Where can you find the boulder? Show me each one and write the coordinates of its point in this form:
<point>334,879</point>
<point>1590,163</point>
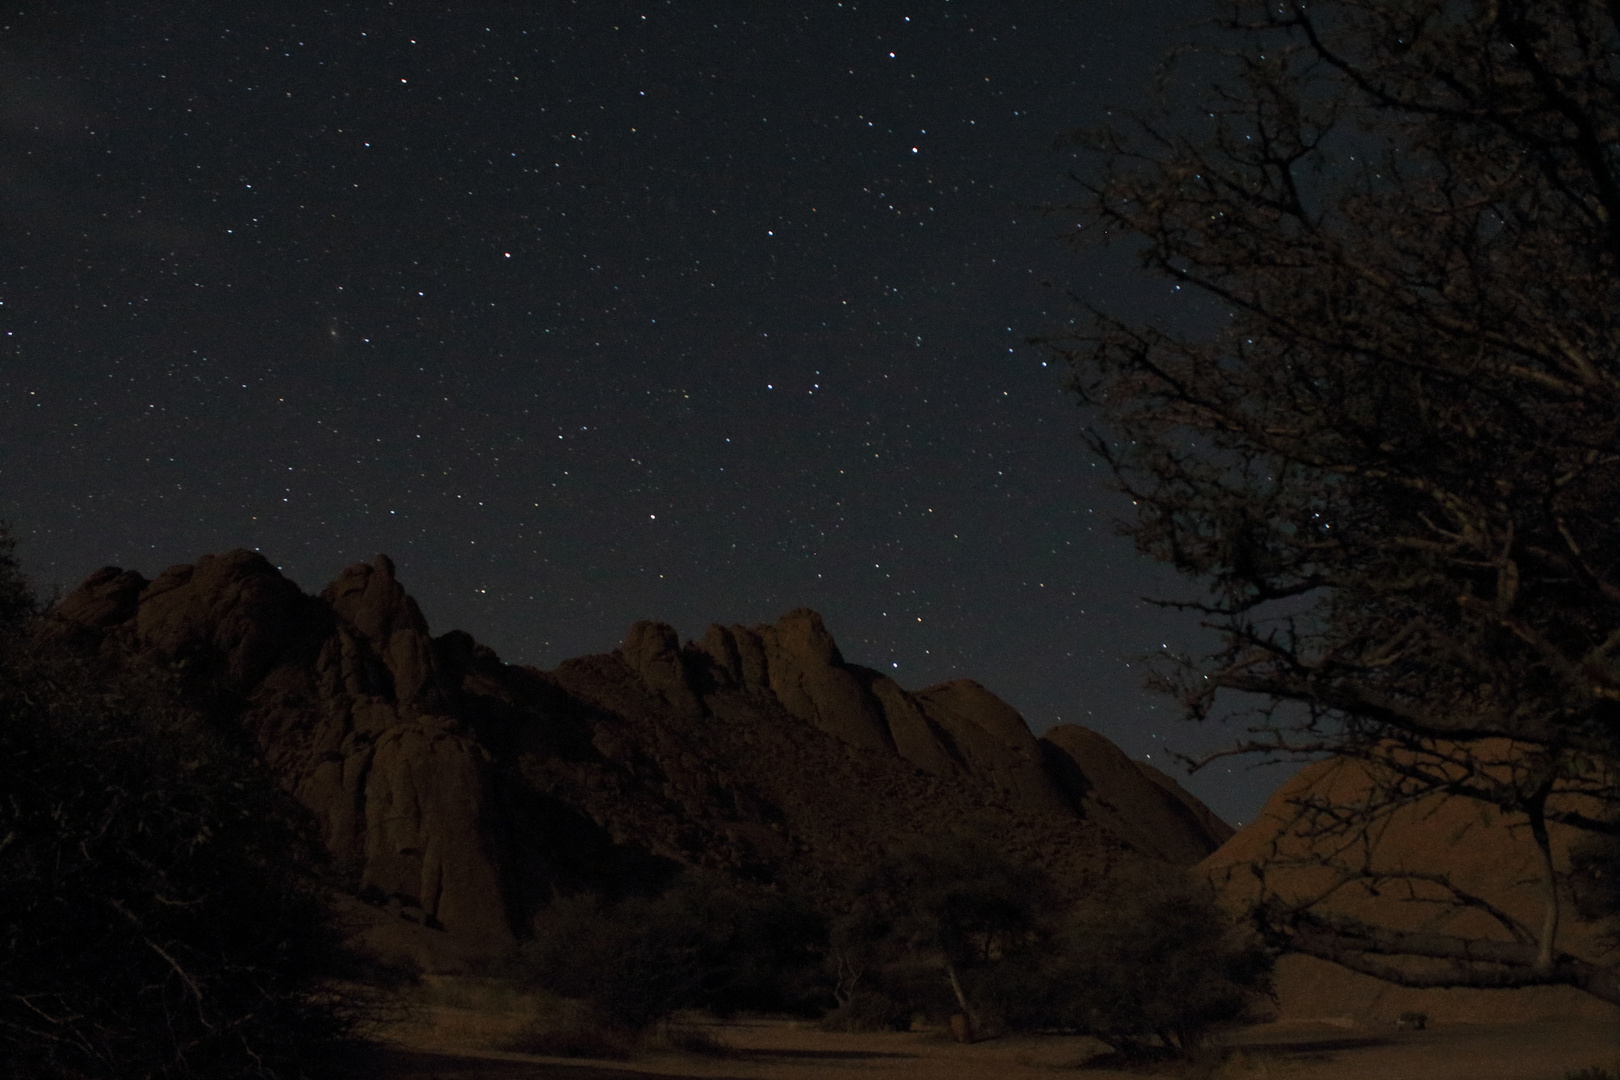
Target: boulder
<point>107,598</point>
<point>343,695</point>
<point>370,601</point>
<point>229,614</point>
<point>915,737</point>
<point>808,676</point>
<point>1483,852</point>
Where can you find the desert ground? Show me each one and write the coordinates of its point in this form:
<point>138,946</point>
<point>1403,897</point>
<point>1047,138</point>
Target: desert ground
<point>457,1034</point>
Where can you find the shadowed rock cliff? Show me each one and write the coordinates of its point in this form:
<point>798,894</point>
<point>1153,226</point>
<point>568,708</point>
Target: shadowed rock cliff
<point>461,795</point>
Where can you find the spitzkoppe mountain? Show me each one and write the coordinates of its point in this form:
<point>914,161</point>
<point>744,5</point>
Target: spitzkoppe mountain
<point>461,795</point>
<point>1486,854</point>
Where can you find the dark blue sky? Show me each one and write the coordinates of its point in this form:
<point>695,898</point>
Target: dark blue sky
<point>588,313</point>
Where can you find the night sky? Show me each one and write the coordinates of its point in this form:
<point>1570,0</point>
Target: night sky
<point>588,313</point>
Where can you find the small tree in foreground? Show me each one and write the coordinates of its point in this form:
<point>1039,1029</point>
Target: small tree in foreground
<point>928,925</point>
<point>1395,462</point>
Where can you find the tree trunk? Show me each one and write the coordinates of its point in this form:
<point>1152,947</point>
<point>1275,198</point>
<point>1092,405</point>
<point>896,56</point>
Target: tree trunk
<point>961,999</point>
<point>1547,941</point>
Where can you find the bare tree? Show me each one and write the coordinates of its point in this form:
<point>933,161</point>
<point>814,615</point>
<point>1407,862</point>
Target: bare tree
<point>1394,462</point>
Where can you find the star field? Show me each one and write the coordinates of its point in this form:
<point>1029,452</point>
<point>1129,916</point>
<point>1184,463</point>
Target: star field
<point>588,313</point>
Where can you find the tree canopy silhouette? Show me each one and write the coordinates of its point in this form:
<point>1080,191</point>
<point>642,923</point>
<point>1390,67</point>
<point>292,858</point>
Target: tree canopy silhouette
<point>1394,460</point>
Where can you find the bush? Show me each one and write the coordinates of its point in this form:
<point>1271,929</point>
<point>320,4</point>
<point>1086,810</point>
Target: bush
<point>159,909</point>
<point>1155,969</point>
<point>694,1039</point>
<point>704,944</point>
<point>931,928</point>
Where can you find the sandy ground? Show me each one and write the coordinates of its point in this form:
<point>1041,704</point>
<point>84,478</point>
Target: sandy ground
<point>782,1050</point>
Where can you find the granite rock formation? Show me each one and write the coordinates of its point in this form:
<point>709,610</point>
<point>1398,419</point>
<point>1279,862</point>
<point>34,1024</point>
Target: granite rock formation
<point>1484,853</point>
<point>461,795</point>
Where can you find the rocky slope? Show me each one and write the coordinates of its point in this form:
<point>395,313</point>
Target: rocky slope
<point>461,795</point>
<point>1484,853</point>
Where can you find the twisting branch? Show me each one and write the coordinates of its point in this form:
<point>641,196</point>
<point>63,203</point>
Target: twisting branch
<point>1395,465</point>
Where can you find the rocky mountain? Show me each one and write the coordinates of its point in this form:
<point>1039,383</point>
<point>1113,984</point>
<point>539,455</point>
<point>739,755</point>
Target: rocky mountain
<point>1484,853</point>
<point>460,795</point>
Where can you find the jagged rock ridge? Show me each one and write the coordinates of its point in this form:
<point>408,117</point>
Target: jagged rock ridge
<point>462,794</point>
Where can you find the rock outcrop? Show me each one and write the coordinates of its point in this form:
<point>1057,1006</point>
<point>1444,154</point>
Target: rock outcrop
<point>1484,853</point>
<point>461,795</point>
<point>344,696</point>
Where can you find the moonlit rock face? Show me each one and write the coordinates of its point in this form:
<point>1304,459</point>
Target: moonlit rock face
<point>1485,853</point>
<point>460,795</point>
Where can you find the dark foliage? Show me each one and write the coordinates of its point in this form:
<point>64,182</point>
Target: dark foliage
<point>927,924</point>
<point>703,944</point>
<point>1396,462</point>
<point>1158,969</point>
<point>953,926</point>
<point>159,913</point>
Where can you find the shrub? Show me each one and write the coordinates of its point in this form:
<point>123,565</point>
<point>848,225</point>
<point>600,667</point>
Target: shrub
<point>704,944</point>
<point>694,1039</point>
<point>1412,1021</point>
<point>1155,968</point>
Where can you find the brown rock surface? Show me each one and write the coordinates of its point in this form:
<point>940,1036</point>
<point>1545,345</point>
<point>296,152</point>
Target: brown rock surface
<point>107,597</point>
<point>1484,852</point>
<point>460,795</point>
<point>653,652</point>
<point>1211,828</point>
<point>343,695</point>
<point>1132,799</point>
<point>992,741</point>
<point>230,613</point>
<point>797,662</point>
